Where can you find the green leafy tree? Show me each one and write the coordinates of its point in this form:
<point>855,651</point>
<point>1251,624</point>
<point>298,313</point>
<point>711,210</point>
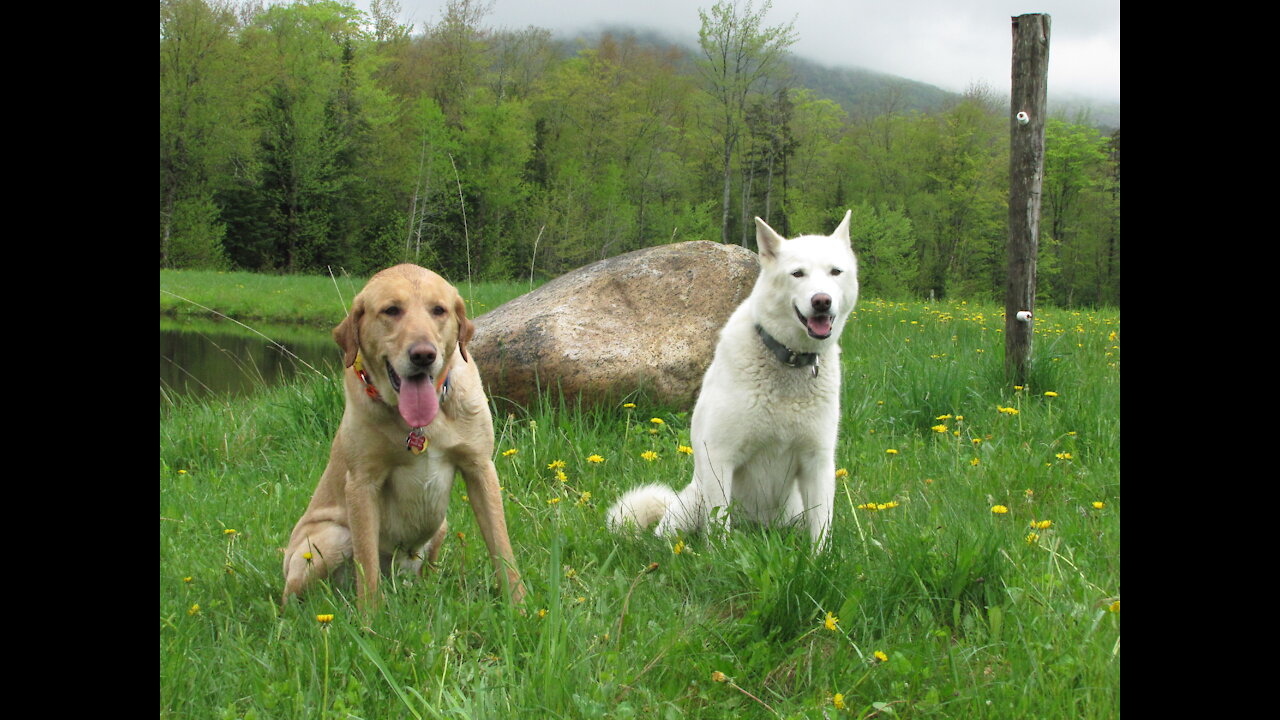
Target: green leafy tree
<point>295,204</point>
<point>1078,208</point>
<point>885,246</point>
<point>201,127</point>
<point>739,56</point>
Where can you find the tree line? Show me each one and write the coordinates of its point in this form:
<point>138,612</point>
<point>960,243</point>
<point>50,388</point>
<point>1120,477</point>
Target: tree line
<point>310,135</point>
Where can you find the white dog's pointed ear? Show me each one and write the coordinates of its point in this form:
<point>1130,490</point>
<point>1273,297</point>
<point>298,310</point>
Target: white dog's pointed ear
<point>767,240</point>
<point>842,230</point>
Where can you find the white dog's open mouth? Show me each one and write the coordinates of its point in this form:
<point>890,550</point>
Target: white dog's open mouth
<point>819,326</point>
<point>418,402</point>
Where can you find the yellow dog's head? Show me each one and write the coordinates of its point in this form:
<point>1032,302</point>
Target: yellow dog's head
<point>405,325</point>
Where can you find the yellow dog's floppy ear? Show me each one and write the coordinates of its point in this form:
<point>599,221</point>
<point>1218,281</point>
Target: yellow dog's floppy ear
<point>347,334</point>
<point>466,328</point>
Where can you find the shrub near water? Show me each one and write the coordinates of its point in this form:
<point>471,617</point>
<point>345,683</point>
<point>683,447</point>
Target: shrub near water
<point>974,567</point>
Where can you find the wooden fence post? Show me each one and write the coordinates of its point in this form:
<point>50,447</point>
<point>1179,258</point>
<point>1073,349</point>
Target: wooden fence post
<point>1026,173</point>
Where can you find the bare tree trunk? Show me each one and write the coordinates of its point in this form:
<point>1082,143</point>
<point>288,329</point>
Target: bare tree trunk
<point>728,184</point>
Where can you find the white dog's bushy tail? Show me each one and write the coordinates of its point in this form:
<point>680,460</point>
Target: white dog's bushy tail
<point>640,508</point>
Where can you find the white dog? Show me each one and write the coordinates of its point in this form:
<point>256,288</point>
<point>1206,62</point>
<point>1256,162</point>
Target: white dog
<point>764,427</point>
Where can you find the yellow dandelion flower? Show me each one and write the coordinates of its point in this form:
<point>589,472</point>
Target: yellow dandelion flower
<point>556,465</point>
<point>831,621</point>
<point>186,579</point>
<point>1098,505</point>
<point>1032,538</point>
<point>182,472</point>
<point>657,421</point>
<point>649,455</point>
<point>943,417</point>
<point>1063,456</point>
<point>976,441</point>
<point>542,612</point>
<point>838,701</point>
<point>890,451</point>
<point>229,531</point>
<point>678,547</point>
<point>324,619</point>
<point>1050,393</point>
<point>1017,387</point>
<point>553,501</point>
<point>939,428</point>
<point>629,406</point>
<point>581,599</point>
<point>306,556</point>
<point>584,498</point>
<point>891,504</point>
<point>684,449</point>
<point>509,453</point>
<point>1115,607</point>
<point>1041,525</point>
<point>594,459</point>
<point>561,476</point>
<point>885,658</point>
<point>841,472</point>
<point>975,462</point>
<point>999,509</point>
<point>196,608</point>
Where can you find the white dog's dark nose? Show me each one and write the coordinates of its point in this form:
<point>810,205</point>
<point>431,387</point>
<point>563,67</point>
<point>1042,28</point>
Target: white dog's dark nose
<point>821,303</point>
<point>422,355</point>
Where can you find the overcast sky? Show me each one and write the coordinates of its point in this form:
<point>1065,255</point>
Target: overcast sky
<point>949,43</point>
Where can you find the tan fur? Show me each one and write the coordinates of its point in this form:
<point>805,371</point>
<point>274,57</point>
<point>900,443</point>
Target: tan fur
<point>377,501</point>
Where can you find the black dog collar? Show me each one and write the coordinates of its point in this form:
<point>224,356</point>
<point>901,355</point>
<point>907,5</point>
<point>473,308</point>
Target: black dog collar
<point>786,355</point>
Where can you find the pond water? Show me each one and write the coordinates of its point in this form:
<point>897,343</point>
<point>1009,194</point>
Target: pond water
<point>204,358</point>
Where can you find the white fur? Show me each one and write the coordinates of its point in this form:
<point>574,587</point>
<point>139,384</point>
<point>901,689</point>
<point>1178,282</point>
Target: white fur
<point>764,433</point>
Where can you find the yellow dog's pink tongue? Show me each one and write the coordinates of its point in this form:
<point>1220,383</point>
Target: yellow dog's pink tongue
<point>418,401</point>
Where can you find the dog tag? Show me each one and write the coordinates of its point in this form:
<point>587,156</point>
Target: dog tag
<point>416,442</point>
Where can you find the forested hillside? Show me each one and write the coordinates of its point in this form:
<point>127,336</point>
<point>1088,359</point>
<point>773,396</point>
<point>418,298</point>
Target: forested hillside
<point>303,136</point>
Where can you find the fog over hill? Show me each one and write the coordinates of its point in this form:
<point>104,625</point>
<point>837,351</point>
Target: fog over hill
<point>863,91</point>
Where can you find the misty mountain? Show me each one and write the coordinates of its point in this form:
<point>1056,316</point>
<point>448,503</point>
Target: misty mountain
<point>865,92</point>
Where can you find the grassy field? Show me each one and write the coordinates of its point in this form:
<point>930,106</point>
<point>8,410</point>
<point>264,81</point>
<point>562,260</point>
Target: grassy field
<point>974,569</point>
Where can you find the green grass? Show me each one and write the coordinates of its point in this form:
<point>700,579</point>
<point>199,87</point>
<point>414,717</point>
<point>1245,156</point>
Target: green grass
<point>301,299</point>
<point>976,620</point>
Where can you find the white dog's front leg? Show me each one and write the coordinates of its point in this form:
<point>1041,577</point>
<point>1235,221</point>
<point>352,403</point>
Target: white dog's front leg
<point>716,483</point>
<point>818,493</point>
